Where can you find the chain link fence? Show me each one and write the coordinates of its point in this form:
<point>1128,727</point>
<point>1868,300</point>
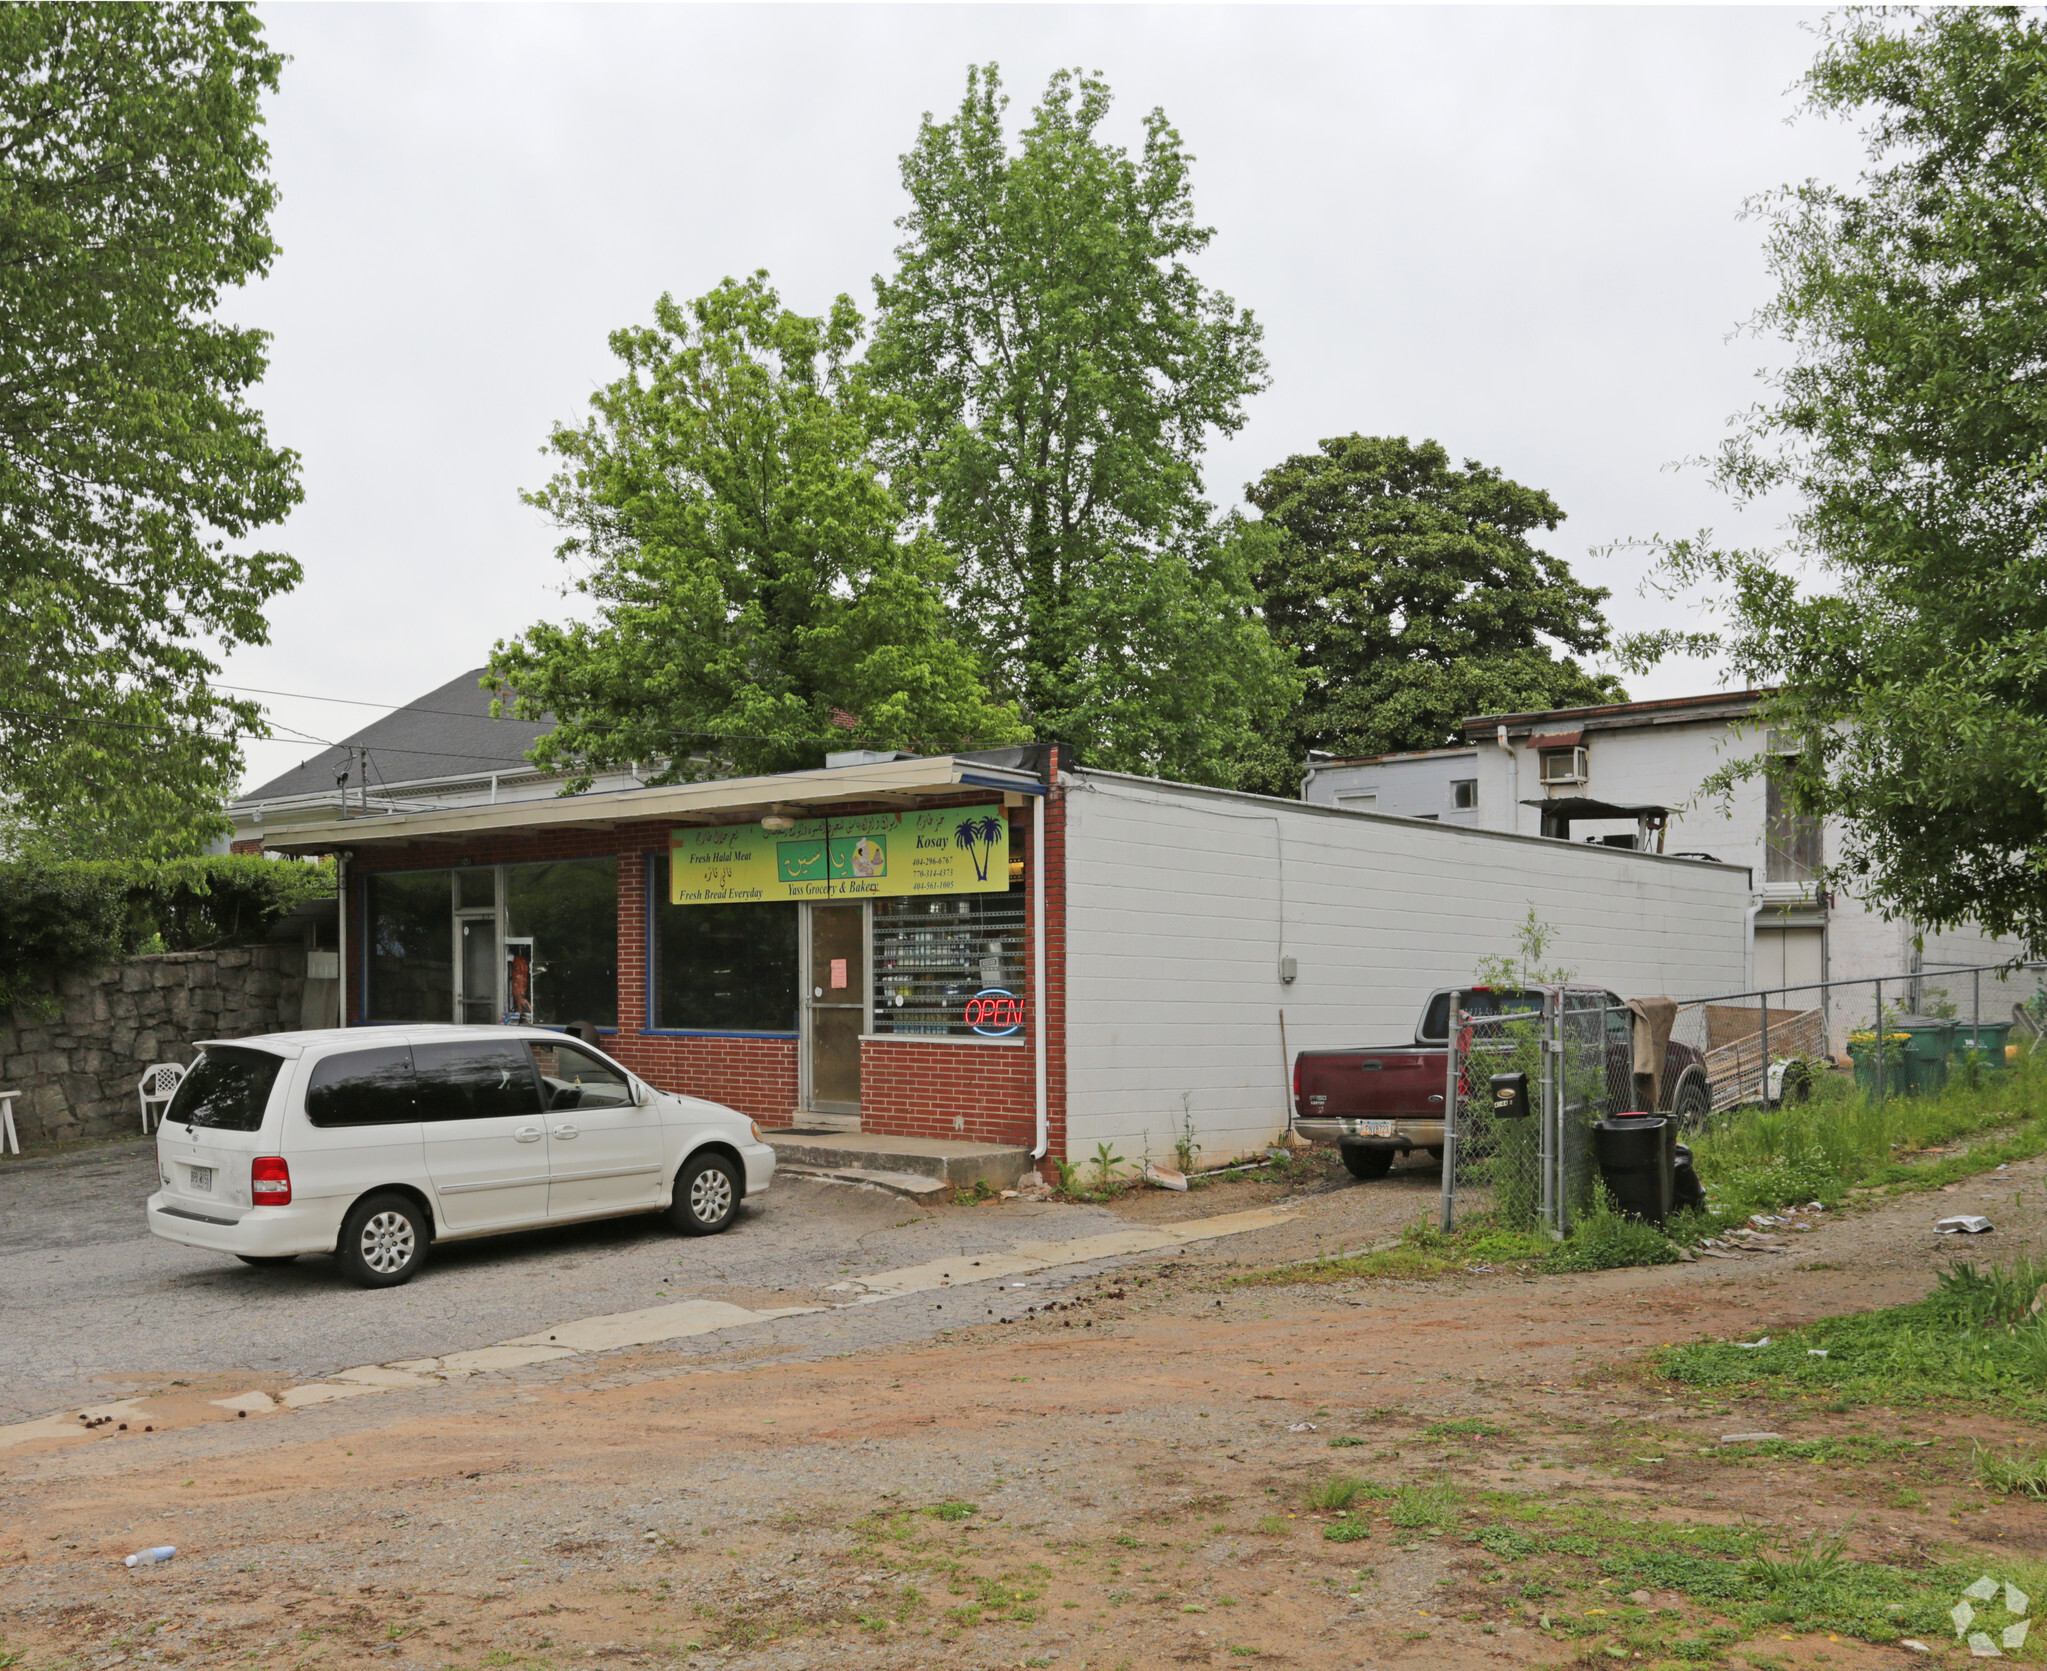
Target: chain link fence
<point>1531,1171</point>
<point>1893,1035</point>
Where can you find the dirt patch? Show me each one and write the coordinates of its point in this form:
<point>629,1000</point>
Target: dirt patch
<point>1121,1477</point>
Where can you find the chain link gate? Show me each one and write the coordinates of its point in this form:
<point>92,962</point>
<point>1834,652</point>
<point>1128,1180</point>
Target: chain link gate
<point>1532,1173</point>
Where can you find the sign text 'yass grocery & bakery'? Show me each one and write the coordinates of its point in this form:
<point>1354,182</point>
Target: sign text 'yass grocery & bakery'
<point>877,855</point>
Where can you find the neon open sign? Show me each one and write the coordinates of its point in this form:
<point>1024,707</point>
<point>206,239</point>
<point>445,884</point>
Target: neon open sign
<point>994,1013</point>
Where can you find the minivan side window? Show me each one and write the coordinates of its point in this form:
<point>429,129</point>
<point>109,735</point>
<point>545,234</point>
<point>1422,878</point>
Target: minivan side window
<point>227,1089</point>
<point>478,1079</point>
<point>574,1078</point>
<point>362,1088</point>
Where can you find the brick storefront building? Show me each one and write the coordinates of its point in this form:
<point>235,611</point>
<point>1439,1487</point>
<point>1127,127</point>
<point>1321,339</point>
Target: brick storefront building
<point>1005,947</point>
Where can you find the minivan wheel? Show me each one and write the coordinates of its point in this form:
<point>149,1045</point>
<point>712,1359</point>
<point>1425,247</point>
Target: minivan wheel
<point>266,1259</point>
<point>706,1196</point>
<point>1368,1163</point>
<point>383,1241</point>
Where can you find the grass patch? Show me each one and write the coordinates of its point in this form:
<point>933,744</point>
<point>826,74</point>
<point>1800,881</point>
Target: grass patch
<point>1756,1160</point>
<point>1972,1339</point>
<point>1465,1427</point>
<point>1744,1573</point>
<point>1423,1254</point>
<point>951,1511</point>
<point>1426,1507</point>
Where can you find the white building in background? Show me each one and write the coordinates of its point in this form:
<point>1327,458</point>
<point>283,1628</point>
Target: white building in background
<point>1632,775</point>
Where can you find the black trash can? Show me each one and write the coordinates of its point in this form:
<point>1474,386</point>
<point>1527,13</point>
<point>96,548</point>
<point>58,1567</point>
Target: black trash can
<point>1637,1156</point>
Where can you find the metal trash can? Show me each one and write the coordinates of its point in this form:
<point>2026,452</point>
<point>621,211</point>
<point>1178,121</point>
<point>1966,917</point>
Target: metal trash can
<point>1637,1156</point>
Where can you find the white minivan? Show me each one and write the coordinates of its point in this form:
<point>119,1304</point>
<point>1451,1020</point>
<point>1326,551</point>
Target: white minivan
<point>373,1144</point>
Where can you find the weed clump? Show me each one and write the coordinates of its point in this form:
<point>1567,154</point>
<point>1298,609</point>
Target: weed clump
<point>1336,1492</point>
<point>1605,1240</point>
<point>2016,1475</point>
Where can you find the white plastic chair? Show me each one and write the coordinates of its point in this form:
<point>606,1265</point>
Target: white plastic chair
<point>158,1085</point>
<point>7,1132</point>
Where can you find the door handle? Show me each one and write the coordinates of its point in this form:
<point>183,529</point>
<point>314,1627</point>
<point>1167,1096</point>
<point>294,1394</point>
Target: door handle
<point>528,1134</point>
<point>568,1131</point>
<point>1435,1096</point>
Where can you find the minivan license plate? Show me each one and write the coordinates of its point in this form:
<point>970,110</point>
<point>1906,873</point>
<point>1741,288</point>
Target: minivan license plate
<point>1376,1128</point>
<point>202,1177</point>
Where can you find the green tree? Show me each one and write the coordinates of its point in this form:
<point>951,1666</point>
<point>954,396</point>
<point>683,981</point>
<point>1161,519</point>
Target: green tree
<point>759,596</point>
<point>1909,431</point>
<point>1061,369</point>
<point>134,190</point>
<point>1413,592</point>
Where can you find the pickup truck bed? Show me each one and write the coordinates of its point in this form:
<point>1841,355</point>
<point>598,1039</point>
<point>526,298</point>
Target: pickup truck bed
<point>1375,1102</point>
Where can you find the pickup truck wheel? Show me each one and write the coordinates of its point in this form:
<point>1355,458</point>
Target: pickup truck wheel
<point>1368,1163</point>
<point>1692,1103</point>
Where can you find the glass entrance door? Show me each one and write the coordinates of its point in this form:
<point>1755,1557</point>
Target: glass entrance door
<point>834,1006</point>
<point>477,967</point>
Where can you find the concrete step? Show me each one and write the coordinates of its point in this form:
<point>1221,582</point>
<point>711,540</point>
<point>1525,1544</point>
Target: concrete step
<point>959,1165</point>
<point>911,1186</point>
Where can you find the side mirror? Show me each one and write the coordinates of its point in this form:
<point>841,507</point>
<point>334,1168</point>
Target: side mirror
<point>642,1094</point>
<point>1510,1096</point>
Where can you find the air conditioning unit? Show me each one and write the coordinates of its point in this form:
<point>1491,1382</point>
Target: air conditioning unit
<point>1563,765</point>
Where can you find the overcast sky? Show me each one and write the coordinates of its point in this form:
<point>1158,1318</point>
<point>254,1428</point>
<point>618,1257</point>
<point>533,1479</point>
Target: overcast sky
<point>1514,231</point>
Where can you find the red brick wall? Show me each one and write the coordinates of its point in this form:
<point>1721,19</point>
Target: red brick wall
<point>970,1093</point>
<point>908,1087</point>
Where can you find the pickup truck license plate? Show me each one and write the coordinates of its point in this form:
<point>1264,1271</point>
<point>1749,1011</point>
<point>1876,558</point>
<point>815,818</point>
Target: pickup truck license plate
<point>202,1178</point>
<point>1375,1128</point>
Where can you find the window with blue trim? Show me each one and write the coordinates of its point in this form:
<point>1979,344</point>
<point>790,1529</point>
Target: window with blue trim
<point>721,968</point>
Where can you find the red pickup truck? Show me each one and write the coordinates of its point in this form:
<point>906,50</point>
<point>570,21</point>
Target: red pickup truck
<point>1377,1103</point>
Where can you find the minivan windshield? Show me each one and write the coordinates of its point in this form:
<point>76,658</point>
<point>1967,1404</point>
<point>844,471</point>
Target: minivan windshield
<point>227,1088</point>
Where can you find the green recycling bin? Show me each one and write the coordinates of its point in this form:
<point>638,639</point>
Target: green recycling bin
<point>1987,1038</point>
<point>1915,1055</point>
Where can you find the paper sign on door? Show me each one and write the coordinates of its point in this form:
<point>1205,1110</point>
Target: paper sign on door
<point>838,971</point>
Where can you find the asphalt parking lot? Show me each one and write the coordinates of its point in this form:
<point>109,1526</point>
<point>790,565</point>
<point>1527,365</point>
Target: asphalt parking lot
<point>91,1304</point>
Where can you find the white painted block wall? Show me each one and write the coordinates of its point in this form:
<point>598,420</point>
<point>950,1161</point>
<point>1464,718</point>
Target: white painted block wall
<point>1178,910</point>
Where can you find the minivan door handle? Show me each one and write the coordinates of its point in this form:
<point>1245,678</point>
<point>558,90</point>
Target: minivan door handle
<point>568,1131</point>
<point>528,1134</point>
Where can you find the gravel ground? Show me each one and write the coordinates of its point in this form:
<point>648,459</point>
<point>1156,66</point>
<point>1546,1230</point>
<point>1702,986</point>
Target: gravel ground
<point>94,1307</point>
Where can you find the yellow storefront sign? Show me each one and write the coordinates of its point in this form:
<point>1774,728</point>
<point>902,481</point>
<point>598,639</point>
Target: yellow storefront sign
<point>956,850</point>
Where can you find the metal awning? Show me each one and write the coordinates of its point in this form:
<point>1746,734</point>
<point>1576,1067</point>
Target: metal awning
<point>719,801</point>
<point>1583,806</point>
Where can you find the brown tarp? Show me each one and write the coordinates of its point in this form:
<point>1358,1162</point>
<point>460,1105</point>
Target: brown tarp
<point>1654,1018</point>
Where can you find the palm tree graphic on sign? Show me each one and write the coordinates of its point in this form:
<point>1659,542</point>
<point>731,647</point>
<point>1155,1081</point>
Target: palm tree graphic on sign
<point>977,836</point>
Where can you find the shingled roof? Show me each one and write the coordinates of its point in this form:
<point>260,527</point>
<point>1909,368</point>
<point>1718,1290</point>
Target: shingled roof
<point>447,733</point>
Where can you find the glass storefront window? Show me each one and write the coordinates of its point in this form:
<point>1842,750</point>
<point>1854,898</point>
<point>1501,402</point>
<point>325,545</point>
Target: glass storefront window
<point>564,916</point>
<point>411,946</point>
<point>952,966</point>
<point>723,968</point>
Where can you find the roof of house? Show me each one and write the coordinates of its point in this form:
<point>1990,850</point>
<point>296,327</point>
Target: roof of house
<point>1458,751</point>
<point>444,734</point>
<point>1613,715</point>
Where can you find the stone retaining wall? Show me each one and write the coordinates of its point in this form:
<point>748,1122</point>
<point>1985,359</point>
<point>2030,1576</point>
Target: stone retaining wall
<point>77,1071</point>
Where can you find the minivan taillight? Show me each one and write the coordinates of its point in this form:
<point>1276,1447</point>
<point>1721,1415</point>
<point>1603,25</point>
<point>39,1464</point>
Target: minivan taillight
<point>269,1181</point>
